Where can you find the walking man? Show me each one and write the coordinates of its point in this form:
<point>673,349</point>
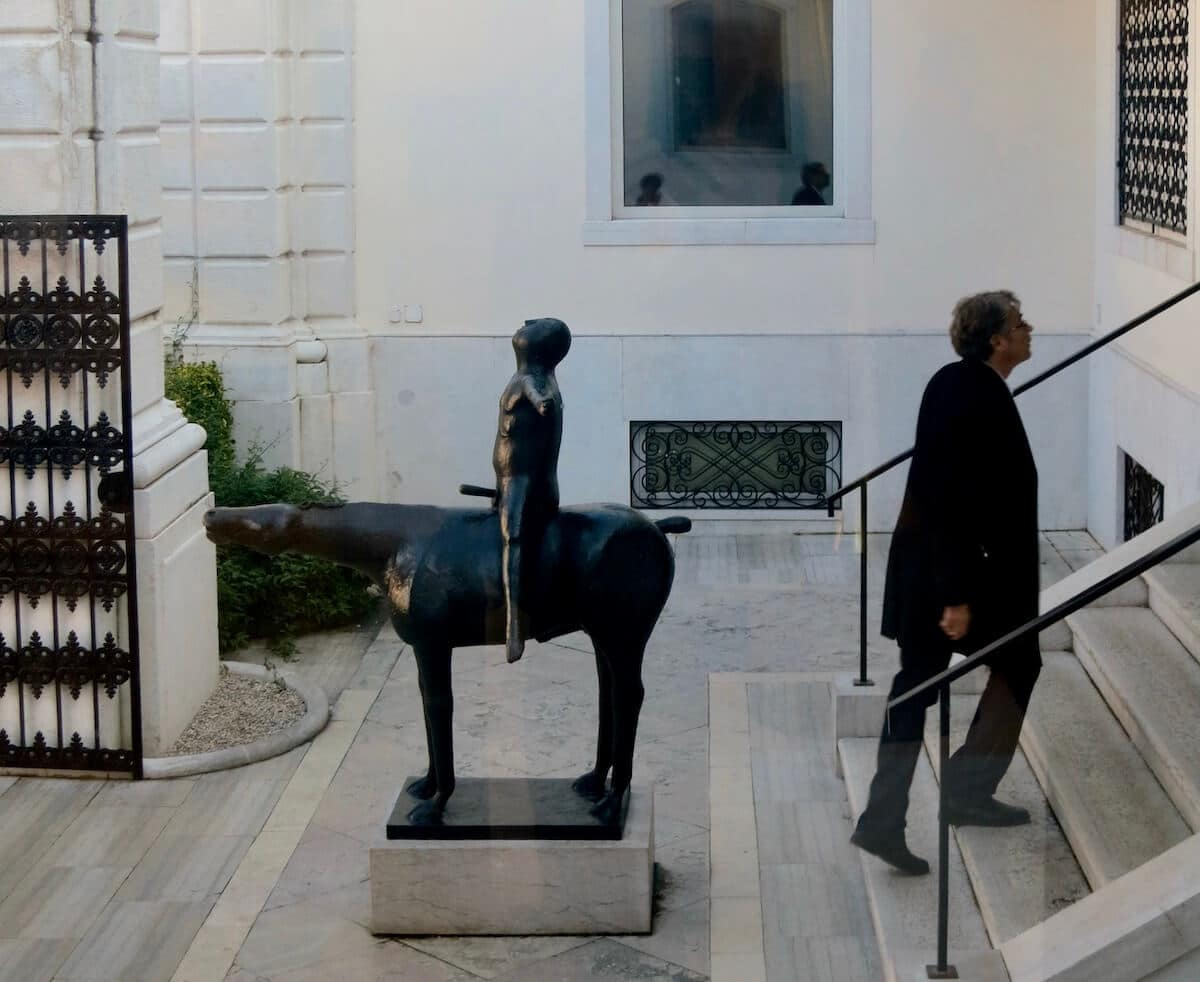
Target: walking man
<point>962,571</point>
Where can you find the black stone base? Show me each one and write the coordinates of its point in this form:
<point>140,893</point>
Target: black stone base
<point>508,808</point>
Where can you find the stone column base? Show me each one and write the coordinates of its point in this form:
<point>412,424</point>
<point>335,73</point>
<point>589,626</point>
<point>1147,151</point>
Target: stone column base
<point>176,584</point>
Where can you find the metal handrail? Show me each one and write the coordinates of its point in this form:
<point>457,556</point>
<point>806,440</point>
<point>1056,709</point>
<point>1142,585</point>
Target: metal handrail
<point>943,680</point>
<point>887,465</point>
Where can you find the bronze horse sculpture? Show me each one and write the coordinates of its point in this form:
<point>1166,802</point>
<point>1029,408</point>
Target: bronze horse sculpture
<point>602,569</point>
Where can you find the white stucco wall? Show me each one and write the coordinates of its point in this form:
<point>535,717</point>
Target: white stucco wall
<point>1145,395</point>
<point>471,184</point>
<point>258,217</point>
<point>471,197</point>
<point>437,425</point>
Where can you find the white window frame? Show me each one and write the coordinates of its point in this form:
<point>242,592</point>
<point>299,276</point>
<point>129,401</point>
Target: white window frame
<point>608,222</point>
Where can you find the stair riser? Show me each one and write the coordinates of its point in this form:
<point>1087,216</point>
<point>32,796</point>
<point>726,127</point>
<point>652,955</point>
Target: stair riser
<point>1073,825</point>
<point>1185,796</point>
<point>1020,876</point>
<point>1188,632</point>
<point>1110,805</point>
<point>1131,594</point>
<point>1057,637</point>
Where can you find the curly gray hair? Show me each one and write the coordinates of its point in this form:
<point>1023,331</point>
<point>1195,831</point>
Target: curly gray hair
<point>978,319</point>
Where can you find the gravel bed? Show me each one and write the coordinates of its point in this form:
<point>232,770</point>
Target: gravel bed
<point>240,710</point>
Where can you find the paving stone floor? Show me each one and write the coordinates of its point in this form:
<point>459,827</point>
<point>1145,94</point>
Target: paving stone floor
<point>260,873</point>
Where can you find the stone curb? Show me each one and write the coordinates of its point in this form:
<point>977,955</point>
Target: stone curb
<point>313,721</point>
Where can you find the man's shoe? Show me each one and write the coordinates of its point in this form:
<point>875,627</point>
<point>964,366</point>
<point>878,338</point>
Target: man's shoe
<point>986,811</point>
<point>892,849</point>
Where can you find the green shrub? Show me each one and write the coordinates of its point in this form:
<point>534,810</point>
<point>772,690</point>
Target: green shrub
<point>277,597</point>
<point>199,391</point>
<point>260,596</point>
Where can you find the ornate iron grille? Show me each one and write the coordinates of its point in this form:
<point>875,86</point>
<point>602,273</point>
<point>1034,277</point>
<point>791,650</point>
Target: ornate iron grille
<point>1153,113</point>
<point>734,464</point>
<point>1143,499</point>
<point>69,686</point>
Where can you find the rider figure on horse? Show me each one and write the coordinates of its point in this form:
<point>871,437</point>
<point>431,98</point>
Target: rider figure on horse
<point>526,456</point>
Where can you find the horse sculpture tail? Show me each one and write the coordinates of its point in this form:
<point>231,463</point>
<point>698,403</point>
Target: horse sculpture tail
<point>676,523</point>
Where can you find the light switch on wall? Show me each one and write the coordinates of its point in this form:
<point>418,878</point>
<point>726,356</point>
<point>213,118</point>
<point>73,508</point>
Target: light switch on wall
<point>414,313</point>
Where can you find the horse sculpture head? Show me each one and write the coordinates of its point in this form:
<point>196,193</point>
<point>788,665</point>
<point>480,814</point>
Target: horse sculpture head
<point>264,528</point>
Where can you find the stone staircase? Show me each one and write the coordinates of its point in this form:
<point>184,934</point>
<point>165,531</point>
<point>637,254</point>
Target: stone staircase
<point>1104,884</point>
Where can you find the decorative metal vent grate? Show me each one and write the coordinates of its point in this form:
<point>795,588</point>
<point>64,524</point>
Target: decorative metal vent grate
<point>1153,113</point>
<point>734,464</point>
<point>1143,499</point>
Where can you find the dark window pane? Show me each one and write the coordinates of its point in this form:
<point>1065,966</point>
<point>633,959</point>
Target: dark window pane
<point>727,102</point>
<point>728,61</point>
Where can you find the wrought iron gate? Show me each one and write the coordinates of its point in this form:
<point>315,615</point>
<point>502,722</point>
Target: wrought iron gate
<point>69,685</point>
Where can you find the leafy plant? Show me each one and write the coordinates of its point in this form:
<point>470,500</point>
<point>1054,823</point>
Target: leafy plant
<point>273,597</point>
<point>199,391</point>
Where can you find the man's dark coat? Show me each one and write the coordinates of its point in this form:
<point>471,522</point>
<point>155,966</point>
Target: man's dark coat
<point>967,531</point>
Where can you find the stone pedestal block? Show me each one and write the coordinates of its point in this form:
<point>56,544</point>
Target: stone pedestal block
<point>858,710</point>
<point>518,886</point>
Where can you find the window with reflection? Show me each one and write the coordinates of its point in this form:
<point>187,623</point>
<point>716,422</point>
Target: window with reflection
<point>727,103</point>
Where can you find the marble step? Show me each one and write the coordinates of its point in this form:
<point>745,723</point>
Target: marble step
<point>1077,550</point>
<point>904,908</point>
<point>1175,598</point>
<point>1110,805</point>
<point>1054,568</point>
<point>1152,685</point>
<point>1021,876</point>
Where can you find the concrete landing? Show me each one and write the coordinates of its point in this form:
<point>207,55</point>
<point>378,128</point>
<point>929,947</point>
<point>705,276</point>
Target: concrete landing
<point>1152,685</point>
<point>1113,810</point>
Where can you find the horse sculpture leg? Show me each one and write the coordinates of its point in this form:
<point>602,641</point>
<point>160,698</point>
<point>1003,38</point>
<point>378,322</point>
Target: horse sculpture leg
<point>425,787</point>
<point>627,696</point>
<point>437,699</point>
<point>591,784</point>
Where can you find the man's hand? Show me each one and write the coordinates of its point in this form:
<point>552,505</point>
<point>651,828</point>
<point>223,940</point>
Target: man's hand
<point>955,621</point>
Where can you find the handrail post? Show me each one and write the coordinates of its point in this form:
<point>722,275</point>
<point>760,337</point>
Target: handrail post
<point>862,589</point>
<point>942,970</point>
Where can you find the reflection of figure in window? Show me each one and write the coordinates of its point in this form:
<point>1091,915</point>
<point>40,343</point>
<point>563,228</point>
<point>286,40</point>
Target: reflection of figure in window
<point>651,185</point>
<point>816,180</point>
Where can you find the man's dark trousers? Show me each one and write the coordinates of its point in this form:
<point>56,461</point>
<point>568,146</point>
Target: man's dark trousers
<point>975,770</point>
